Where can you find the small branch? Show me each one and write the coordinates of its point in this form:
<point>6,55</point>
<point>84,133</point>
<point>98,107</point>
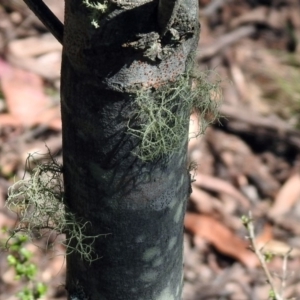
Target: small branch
<point>284,272</point>
<point>46,16</point>
<point>248,222</point>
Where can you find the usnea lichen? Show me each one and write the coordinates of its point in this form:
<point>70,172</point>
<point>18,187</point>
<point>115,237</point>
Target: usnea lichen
<point>98,10</point>
<point>160,119</point>
<point>38,201</point>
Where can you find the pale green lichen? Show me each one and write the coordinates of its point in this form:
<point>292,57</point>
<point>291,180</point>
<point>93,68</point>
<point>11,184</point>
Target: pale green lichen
<point>160,118</point>
<point>98,10</point>
<point>38,201</point>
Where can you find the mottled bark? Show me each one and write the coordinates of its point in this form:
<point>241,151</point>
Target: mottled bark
<point>140,205</point>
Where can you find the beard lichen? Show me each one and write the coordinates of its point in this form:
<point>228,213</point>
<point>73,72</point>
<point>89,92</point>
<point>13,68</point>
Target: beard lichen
<point>38,202</point>
<point>161,117</point>
<point>98,10</point>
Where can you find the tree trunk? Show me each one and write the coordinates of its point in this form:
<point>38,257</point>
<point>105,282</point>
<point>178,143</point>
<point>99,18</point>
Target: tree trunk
<point>137,203</point>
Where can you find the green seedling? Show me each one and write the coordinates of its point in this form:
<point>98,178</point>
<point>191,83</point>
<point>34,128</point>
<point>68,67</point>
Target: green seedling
<point>20,260</point>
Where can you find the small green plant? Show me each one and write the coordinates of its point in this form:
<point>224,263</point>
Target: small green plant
<point>264,258</point>
<point>161,117</point>
<point>38,201</point>
<point>20,259</point>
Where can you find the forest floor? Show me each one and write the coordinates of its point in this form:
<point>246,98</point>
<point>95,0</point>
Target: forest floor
<point>248,161</point>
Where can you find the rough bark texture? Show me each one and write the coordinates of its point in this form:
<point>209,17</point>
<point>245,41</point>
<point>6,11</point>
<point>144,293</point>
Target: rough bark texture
<point>140,205</point>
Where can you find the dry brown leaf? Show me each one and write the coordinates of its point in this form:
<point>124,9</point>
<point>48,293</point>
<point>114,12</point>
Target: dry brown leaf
<point>34,46</point>
<point>25,97</point>
<point>237,156</point>
<point>223,239</point>
<point>209,205</point>
<point>23,93</point>
<point>287,196</point>
<point>205,203</point>
<point>218,185</point>
<point>47,65</point>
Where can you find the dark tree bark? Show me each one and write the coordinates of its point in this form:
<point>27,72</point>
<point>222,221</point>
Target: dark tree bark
<point>138,205</point>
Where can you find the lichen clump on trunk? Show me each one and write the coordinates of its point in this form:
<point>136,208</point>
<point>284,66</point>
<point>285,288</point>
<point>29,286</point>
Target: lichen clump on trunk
<point>38,201</point>
<point>161,117</point>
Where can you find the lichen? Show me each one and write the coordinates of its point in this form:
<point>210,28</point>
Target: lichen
<point>98,10</point>
<point>160,117</point>
<point>38,201</point>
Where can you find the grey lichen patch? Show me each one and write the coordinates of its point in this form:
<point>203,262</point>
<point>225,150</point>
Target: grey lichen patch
<point>178,213</point>
<point>160,118</point>
<point>149,276</point>
<point>150,253</point>
<point>172,243</point>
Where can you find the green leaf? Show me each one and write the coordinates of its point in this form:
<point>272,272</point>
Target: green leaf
<point>12,261</point>
<point>41,290</point>
<point>20,269</point>
<point>15,247</point>
<point>272,295</point>
<point>25,294</point>
<point>26,253</point>
<point>22,238</point>
<point>268,256</point>
<point>31,271</point>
